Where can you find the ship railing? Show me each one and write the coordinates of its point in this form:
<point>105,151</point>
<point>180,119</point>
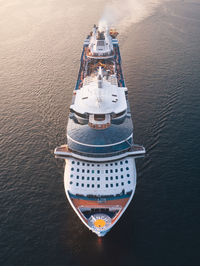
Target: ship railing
<point>64,152</point>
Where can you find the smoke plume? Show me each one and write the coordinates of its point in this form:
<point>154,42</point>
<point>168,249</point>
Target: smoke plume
<point>123,13</point>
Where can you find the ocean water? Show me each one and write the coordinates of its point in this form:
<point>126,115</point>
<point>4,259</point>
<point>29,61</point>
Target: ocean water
<point>40,48</point>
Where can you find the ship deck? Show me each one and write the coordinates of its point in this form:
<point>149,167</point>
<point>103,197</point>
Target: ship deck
<point>88,65</point>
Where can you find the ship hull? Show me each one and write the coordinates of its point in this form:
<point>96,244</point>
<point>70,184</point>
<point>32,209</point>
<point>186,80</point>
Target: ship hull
<point>116,202</point>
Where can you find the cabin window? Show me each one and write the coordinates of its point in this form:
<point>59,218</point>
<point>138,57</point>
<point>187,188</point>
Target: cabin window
<point>100,43</point>
<point>85,116</point>
<point>99,117</point>
<point>119,114</point>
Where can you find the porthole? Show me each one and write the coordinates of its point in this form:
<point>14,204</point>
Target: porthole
<point>83,164</point>
<point>73,162</point>
<point>82,185</point>
<point>92,178</point>
<point>83,170</point>
<point>121,162</point>
<point>88,164</point>
<point>71,175</point>
<point>111,178</point>
<point>78,163</point>
<point>122,183</point>
<point>111,170</point>
<point>127,168</point>
<point>88,171</point>
<point>121,169</point>
<point>106,164</point>
<point>122,176</point>
<point>129,182</point>
<point>83,177</point>
<point>77,184</point>
<point>98,186</point>
<point>111,185</point>
<point>88,185</point>
<point>111,164</point>
<point>77,176</point>
<point>128,175</point>
<point>71,182</point>
<point>98,178</point>
<point>126,161</point>
<point>116,170</point>
<point>72,169</point>
<point>116,163</point>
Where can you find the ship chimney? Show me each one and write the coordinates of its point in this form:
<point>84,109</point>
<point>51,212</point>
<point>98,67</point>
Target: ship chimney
<point>100,78</point>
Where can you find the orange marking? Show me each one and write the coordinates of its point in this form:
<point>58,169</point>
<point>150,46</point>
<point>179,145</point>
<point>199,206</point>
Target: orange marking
<point>99,223</point>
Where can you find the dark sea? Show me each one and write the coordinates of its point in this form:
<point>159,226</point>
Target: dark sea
<point>40,47</point>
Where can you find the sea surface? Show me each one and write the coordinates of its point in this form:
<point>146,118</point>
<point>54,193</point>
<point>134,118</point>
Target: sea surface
<point>40,47</point>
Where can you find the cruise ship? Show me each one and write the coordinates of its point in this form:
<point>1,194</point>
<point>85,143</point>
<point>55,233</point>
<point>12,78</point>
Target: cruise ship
<point>100,171</point>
